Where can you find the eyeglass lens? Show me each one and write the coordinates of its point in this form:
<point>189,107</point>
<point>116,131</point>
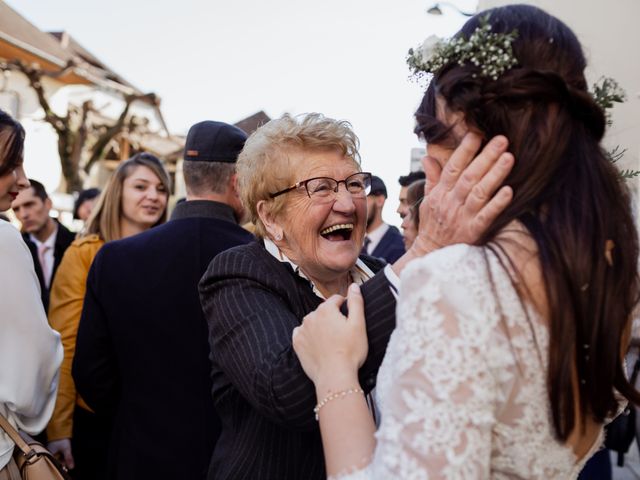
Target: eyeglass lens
<point>324,186</point>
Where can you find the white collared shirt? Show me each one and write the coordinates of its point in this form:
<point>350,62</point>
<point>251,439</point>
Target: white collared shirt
<point>375,237</point>
<point>360,273</point>
<point>50,243</point>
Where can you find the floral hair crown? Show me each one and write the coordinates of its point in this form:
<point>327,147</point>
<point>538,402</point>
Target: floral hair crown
<point>491,52</point>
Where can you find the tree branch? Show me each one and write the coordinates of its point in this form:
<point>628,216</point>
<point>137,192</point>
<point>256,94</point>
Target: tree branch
<point>98,149</point>
<point>34,75</point>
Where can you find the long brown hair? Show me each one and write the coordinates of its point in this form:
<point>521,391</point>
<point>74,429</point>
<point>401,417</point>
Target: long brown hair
<point>105,216</point>
<point>566,192</point>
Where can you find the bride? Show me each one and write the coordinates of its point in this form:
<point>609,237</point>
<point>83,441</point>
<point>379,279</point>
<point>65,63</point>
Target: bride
<point>507,354</point>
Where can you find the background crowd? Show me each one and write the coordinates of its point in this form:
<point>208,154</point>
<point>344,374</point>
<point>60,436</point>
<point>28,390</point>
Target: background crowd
<point>273,322</point>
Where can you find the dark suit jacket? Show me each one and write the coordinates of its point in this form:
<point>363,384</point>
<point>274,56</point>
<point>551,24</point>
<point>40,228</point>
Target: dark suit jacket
<point>63,240</point>
<point>252,303</point>
<point>391,247</point>
<point>142,353</point>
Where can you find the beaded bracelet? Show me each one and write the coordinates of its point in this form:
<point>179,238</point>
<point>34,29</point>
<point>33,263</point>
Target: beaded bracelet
<point>333,396</point>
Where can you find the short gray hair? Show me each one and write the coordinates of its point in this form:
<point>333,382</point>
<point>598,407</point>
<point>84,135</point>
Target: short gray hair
<point>263,163</point>
<point>207,177</point>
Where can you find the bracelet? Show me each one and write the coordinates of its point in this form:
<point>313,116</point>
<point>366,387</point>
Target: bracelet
<point>333,396</point>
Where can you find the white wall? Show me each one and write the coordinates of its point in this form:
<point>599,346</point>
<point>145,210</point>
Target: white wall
<point>610,38</point>
<point>41,152</point>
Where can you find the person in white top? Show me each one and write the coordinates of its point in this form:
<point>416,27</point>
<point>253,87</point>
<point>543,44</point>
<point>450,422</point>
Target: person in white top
<point>506,361</point>
<point>30,351</point>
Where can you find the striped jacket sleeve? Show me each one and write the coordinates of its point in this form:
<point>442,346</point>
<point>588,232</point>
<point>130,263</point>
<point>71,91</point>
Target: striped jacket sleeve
<point>249,304</point>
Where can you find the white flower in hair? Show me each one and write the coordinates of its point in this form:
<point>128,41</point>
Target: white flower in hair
<point>491,52</point>
<point>429,46</point>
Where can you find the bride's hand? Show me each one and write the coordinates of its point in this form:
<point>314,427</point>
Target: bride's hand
<point>328,343</point>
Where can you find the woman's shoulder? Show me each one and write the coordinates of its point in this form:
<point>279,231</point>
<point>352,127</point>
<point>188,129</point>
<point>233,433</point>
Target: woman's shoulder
<point>448,262</point>
<point>82,250</point>
<point>242,256</point>
<point>86,240</point>
<point>87,243</point>
<point>11,243</point>
<point>461,275</point>
<point>250,262</point>
<point>8,233</point>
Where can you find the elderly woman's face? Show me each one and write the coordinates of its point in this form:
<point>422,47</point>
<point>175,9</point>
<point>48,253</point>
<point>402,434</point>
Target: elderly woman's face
<point>323,238</point>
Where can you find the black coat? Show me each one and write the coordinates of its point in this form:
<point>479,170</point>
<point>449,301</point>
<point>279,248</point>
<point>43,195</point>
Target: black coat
<point>252,303</point>
<point>391,246</point>
<point>142,353</point>
<point>64,238</point>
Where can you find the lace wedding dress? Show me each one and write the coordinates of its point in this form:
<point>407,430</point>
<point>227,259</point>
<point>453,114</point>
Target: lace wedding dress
<point>462,389</point>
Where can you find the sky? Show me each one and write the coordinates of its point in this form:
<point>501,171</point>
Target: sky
<point>215,60</point>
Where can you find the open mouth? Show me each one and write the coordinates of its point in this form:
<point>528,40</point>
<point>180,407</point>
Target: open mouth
<point>338,233</point>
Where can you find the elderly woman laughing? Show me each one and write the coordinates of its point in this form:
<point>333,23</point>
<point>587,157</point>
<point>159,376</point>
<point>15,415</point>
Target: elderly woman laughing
<point>300,179</point>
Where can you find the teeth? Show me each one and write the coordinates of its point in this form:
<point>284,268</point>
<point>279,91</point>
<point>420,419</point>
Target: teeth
<point>340,226</point>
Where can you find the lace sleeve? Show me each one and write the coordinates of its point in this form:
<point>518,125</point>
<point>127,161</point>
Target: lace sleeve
<point>437,390</point>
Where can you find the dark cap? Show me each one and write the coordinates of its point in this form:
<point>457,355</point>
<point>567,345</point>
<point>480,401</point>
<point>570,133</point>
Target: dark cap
<point>377,186</point>
<point>210,141</point>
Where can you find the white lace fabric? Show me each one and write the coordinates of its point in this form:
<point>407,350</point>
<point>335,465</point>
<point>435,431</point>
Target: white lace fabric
<point>462,389</point>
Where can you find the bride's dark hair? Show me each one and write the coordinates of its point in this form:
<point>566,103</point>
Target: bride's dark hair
<point>566,192</point>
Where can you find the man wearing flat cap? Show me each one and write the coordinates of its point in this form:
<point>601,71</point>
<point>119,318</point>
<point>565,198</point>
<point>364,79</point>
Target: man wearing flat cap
<point>142,353</point>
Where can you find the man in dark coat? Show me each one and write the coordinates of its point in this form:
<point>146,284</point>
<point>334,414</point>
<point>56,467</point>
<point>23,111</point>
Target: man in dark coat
<point>382,240</point>
<point>46,238</point>
<point>142,353</point>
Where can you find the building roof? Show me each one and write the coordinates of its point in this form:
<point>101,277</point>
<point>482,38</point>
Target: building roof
<point>75,50</point>
<point>17,30</point>
<point>21,40</point>
<point>253,122</point>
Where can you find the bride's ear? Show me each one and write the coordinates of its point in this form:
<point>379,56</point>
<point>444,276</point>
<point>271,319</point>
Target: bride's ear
<point>274,230</point>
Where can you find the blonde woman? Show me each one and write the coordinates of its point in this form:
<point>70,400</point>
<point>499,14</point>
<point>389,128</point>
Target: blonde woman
<point>30,351</point>
<point>134,200</point>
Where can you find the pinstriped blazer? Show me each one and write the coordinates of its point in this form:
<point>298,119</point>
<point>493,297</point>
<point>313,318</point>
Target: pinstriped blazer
<point>252,303</point>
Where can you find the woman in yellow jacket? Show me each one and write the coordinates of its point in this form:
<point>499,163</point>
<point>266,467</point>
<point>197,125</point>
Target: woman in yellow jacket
<point>134,200</point>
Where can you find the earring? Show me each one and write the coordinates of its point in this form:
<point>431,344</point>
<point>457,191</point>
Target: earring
<point>278,236</point>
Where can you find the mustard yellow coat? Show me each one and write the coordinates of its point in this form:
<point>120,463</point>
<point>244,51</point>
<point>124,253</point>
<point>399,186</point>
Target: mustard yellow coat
<point>65,308</point>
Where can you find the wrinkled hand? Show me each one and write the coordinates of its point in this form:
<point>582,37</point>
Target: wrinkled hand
<point>328,343</point>
<point>62,450</point>
<point>460,200</point>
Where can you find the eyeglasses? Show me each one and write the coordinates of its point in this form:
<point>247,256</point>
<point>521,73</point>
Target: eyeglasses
<point>325,188</point>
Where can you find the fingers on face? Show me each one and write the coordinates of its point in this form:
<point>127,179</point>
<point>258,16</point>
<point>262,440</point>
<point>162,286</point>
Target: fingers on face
<point>479,168</point>
<point>432,208</point>
<point>482,192</point>
<point>491,210</point>
<point>460,159</point>
<point>432,170</point>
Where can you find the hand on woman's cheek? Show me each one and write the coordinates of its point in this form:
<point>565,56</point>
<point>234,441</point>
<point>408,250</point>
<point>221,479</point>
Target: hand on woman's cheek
<point>465,196</point>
